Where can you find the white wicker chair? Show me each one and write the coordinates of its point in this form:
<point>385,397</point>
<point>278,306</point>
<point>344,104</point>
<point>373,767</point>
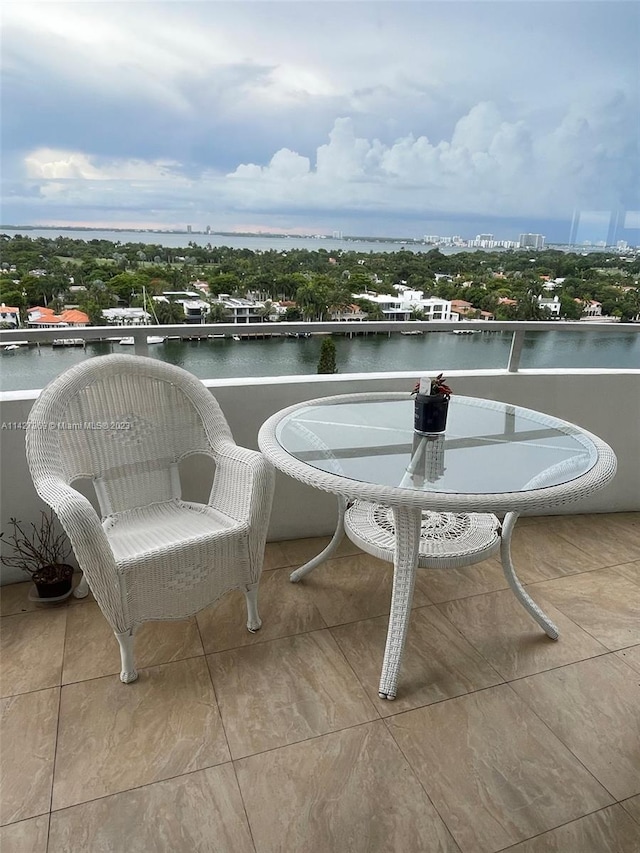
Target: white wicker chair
<point>126,422</point>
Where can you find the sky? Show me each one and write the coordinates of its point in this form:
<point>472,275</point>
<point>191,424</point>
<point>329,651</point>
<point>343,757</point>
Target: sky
<point>401,119</point>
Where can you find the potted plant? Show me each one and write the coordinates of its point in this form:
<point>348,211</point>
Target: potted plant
<point>40,551</point>
<point>432,405</point>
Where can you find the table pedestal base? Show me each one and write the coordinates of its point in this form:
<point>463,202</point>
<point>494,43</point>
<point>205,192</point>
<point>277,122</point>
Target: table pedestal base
<point>404,551</point>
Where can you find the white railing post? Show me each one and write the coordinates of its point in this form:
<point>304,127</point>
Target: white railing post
<point>140,345</point>
<point>517,342</point>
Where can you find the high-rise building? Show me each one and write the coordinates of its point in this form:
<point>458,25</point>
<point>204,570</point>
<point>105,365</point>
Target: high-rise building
<point>531,241</point>
<point>188,229</point>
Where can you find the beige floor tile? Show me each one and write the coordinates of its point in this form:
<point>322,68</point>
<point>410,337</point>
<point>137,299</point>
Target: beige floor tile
<point>438,662</point>
<point>91,649</point>
<point>592,706</point>
<point>604,602</point>
<point>499,627</point>
<point>196,813</point>
<point>348,791</point>
<point>28,723</point>
<point>293,553</point>
<point>600,537</point>
<point>607,831</point>
<point>632,806</point>
<point>286,690</point>
<point>28,836</point>
<point>285,609</point>
<point>14,598</point>
<point>493,770</point>
<point>115,736</point>
<point>31,647</point>
<point>630,520</point>
<point>449,584</point>
<point>539,553</point>
<point>631,657</point>
<point>631,571</point>
<point>358,587</point>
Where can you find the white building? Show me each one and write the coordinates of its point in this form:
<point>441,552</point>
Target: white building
<point>9,316</point>
<point>402,306</point>
<point>531,241</point>
<point>552,305</point>
<point>126,316</point>
<point>241,310</point>
<point>592,309</point>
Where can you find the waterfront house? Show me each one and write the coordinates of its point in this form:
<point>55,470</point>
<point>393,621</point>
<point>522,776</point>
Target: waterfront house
<point>348,313</point>
<point>241,310</point>
<point>46,318</point>
<point>553,306</point>
<point>401,307</point>
<point>126,316</point>
<point>43,318</point>
<point>74,317</point>
<point>461,306</point>
<point>9,316</point>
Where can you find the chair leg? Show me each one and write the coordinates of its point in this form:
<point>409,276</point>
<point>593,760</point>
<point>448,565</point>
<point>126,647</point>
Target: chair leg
<point>82,590</point>
<point>408,527</point>
<point>254,622</point>
<point>125,641</point>
<point>509,572</point>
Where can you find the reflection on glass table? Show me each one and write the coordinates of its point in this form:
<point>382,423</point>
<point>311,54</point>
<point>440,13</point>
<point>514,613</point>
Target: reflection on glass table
<point>431,501</point>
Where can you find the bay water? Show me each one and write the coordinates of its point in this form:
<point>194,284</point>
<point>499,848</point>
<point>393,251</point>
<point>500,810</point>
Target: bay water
<point>33,366</point>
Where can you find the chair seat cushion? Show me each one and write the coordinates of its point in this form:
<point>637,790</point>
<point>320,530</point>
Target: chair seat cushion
<point>447,540</point>
<point>163,530</point>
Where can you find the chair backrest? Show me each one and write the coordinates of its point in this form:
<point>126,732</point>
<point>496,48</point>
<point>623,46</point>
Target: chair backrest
<point>125,422</point>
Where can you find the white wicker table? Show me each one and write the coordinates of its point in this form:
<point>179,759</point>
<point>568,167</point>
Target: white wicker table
<point>493,458</point>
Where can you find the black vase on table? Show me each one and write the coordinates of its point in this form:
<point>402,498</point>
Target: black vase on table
<point>430,413</point>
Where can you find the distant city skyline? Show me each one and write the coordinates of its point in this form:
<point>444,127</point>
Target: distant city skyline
<point>409,118</point>
<point>482,241</point>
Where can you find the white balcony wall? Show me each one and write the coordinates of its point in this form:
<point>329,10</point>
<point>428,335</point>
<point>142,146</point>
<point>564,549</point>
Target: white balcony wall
<point>605,402</point>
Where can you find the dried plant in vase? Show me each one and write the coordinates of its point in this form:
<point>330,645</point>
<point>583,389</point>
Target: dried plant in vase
<point>41,551</point>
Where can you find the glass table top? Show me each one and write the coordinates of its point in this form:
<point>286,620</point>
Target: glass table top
<point>487,448</point>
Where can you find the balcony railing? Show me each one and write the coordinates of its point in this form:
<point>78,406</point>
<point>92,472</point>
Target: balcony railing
<point>139,333</point>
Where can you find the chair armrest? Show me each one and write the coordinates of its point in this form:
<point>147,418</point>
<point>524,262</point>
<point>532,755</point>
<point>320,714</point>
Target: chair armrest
<point>90,545</point>
<point>243,482</point>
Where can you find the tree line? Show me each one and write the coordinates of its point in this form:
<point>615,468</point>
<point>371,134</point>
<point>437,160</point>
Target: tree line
<point>49,271</point>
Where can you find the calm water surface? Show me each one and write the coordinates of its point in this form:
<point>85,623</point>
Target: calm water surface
<point>234,241</point>
<point>32,367</point>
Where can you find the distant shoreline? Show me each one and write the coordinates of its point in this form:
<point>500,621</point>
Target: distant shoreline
<point>401,241</point>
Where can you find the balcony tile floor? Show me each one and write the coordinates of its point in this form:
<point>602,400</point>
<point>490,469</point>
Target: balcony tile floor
<point>500,739</point>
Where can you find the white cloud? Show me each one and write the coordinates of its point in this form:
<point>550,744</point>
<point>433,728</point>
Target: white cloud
<point>50,164</point>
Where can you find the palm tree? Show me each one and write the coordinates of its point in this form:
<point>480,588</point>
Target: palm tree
<point>218,312</point>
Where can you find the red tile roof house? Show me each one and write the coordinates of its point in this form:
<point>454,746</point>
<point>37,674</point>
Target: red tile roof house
<point>461,306</point>
<point>9,316</point>
<point>45,317</point>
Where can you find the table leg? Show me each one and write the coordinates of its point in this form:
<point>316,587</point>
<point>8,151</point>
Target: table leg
<point>509,572</point>
<point>407,548</point>
<point>338,536</point>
